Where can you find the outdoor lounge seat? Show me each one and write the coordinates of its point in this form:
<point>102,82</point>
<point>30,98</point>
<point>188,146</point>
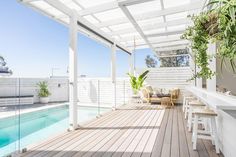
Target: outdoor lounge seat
<point>146,96</point>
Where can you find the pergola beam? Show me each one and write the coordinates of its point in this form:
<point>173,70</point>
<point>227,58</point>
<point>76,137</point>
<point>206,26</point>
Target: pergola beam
<point>136,26</point>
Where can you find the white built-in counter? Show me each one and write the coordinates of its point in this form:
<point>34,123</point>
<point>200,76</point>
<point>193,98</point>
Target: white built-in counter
<point>225,106</point>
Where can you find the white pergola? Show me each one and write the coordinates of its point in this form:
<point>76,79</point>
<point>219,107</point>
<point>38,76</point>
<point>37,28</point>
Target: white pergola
<point>120,24</point>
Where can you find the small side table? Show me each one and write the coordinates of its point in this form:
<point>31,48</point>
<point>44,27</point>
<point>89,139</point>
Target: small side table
<point>135,99</point>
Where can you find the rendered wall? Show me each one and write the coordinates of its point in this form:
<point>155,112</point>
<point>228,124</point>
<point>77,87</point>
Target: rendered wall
<point>225,77</point>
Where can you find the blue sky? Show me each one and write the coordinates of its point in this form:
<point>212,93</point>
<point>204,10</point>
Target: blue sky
<point>32,44</point>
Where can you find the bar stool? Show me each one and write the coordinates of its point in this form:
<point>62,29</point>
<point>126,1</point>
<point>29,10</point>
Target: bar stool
<point>186,97</point>
<point>204,134</point>
<point>186,105</point>
<point>193,105</point>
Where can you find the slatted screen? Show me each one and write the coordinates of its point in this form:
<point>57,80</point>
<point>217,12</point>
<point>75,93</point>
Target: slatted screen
<point>169,77</point>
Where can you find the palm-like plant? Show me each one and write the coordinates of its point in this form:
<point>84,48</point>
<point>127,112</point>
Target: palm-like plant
<point>137,81</point>
<point>43,89</point>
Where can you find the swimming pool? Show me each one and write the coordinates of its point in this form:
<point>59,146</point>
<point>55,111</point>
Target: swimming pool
<point>20,131</point>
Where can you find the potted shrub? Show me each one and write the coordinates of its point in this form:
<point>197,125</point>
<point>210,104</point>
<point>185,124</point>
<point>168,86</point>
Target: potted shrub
<point>137,82</point>
<point>43,92</point>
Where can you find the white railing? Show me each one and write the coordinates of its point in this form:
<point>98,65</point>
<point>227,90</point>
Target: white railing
<point>100,90</point>
<point>169,77</point>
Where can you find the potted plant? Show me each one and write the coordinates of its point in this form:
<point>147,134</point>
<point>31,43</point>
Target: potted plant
<point>43,92</point>
<point>137,82</point>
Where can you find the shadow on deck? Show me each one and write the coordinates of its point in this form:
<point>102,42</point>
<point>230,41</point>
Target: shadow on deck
<point>137,131</point>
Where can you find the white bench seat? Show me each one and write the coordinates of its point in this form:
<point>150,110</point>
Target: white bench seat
<point>16,100</point>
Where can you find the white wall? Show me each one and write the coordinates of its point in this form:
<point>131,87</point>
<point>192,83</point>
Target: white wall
<point>226,133</point>
<point>90,90</point>
<point>28,86</point>
<point>225,77</point>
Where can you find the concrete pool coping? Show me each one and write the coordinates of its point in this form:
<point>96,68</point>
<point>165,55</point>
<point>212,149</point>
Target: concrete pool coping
<point>32,108</point>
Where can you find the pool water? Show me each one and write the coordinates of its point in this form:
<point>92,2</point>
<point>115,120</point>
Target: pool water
<point>20,131</point>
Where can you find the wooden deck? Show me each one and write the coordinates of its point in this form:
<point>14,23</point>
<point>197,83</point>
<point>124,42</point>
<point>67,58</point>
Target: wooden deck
<point>133,131</point>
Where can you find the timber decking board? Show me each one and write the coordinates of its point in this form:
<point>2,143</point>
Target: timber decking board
<point>131,131</point>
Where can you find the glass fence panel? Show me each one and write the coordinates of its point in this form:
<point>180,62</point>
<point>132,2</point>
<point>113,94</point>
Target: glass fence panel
<point>26,117</point>
<point>90,103</point>
<point>42,115</point>
<point>9,116</point>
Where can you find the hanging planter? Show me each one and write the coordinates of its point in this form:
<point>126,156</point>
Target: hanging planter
<point>199,37</point>
<point>211,24</point>
<point>216,25</point>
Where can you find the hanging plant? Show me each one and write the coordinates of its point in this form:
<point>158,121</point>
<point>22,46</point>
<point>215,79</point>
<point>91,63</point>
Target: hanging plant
<point>226,11</point>
<point>218,25</point>
<point>198,34</point>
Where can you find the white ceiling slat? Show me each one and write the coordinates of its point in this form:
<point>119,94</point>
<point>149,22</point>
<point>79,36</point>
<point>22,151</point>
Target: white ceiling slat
<point>157,39</point>
<point>132,2</point>
<point>169,48</point>
<point>165,33</point>
<point>157,44</point>
<point>99,8</point>
<point>180,42</point>
<point>167,40</point>
<point>141,8</point>
<point>149,15</point>
<point>155,26</point>
<point>67,11</point>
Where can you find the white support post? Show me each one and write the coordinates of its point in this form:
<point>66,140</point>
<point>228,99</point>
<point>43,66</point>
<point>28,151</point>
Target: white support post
<point>211,83</point>
<point>73,72</point>
<point>131,63</point>
<point>113,74</point>
<point>198,80</point>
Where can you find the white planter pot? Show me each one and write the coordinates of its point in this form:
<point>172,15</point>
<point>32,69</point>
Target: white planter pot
<point>44,100</point>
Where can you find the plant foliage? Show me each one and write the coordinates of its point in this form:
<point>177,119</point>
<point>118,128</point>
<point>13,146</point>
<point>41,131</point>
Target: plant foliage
<point>43,89</point>
<point>137,82</point>
<point>150,62</point>
<point>215,25</point>
<point>199,38</point>
<point>226,37</point>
